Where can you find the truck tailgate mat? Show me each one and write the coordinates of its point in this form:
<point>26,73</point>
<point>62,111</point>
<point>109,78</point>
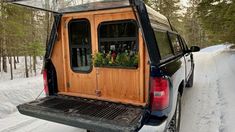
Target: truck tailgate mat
<point>84,113</point>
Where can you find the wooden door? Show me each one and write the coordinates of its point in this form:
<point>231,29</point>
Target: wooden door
<point>79,40</point>
<point>121,84</point>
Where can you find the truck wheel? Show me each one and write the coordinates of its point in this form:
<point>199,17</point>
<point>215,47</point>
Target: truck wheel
<point>190,80</point>
<point>174,125</point>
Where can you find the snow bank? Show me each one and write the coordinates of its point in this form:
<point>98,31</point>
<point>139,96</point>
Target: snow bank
<point>13,93</point>
<point>18,91</point>
<point>22,90</point>
<point>215,48</point>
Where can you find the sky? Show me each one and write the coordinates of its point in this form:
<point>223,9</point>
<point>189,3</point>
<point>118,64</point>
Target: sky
<point>184,2</point>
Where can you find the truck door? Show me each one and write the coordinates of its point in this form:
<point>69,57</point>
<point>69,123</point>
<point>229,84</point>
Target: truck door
<point>80,76</point>
<point>188,60</point>
<point>118,33</point>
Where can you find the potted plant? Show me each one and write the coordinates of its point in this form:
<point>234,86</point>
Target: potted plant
<point>119,60</point>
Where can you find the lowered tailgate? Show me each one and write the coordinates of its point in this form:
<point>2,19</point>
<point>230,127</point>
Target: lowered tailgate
<point>85,113</point>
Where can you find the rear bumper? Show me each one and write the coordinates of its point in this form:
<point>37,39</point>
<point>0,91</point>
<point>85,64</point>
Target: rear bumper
<point>158,128</point>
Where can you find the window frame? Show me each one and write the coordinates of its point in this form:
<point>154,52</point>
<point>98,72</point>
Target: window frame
<point>177,36</point>
<point>117,22</point>
<point>172,52</point>
<point>71,46</point>
<point>184,44</point>
<point>120,38</point>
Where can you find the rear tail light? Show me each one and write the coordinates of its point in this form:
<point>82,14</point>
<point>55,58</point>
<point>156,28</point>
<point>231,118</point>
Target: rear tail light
<point>159,93</point>
<point>45,82</point>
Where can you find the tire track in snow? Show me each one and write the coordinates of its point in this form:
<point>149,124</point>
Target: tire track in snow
<point>223,64</point>
<point>220,100</point>
<point>20,123</point>
<point>18,126</point>
<point>201,111</point>
<point>221,105</point>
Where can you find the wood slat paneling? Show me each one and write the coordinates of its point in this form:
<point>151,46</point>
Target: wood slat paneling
<point>117,85</point>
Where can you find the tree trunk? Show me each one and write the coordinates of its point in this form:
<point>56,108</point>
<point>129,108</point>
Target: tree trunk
<point>14,62</point>
<point>1,38</point>
<point>30,64</point>
<point>4,63</point>
<point>4,55</point>
<point>11,69</point>
<point>0,61</point>
<point>0,55</point>
<point>34,65</point>
<point>17,58</point>
<point>26,67</point>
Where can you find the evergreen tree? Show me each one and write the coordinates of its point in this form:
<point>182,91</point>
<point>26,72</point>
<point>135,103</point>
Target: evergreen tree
<point>218,18</point>
<point>169,8</point>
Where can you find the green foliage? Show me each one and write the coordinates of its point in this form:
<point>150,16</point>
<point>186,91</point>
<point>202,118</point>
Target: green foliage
<point>22,30</point>
<point>169,8</point>
<point>204,22</point>
<point>218,19</point>
<point>35,49</point>
<point>192,29</point>
<point>121,60</point>
<point>98,59</point>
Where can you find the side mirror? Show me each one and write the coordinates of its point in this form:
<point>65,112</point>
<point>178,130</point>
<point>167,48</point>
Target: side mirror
<point>195,49</point>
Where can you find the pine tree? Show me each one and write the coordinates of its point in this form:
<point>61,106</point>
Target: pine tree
<point>218,19</point>
<point>169,8</point>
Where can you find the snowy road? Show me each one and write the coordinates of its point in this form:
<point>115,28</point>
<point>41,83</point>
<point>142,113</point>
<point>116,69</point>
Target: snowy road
<point>207,107</point>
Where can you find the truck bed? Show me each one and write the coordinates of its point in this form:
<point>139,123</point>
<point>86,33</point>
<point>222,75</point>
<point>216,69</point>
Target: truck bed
<point>84,113</point>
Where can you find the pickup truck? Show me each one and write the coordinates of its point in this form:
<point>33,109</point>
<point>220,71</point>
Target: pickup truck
<point>112,65</point>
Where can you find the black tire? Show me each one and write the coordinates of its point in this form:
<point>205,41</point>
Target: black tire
<point>174,125</point>
<point>190,80</point>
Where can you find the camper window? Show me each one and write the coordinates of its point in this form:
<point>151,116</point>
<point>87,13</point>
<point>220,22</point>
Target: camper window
<point>118,43</point>
<point>175,43</point>
<point>80,45</point>
<point>163,44</point>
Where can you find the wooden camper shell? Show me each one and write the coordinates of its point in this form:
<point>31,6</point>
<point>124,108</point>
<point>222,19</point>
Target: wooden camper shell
<point>125,90</point>
<point>147,19</point>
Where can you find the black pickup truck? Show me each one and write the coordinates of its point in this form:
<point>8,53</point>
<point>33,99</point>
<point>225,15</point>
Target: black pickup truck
<point>112,65</point>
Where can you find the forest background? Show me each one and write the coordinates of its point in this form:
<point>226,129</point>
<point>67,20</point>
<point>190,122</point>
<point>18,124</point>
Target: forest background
<point>25,32</point>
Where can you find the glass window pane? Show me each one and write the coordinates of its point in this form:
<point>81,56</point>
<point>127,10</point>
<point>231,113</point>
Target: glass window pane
<point>119,29</point>
<point>184,44</point>
<point>80,45</point>
<point>175,43</point>
<point>163,44</point>
<point>118,43</point>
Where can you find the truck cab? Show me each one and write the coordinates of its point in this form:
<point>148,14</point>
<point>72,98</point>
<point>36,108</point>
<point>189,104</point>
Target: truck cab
<point>112,66</point>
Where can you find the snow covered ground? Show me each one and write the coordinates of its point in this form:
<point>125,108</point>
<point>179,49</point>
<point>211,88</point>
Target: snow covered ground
<point>18,91</point>
<point>207,107</point>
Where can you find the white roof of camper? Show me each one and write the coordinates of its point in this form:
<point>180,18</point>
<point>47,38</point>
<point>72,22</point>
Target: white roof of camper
<point>158,20</point>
